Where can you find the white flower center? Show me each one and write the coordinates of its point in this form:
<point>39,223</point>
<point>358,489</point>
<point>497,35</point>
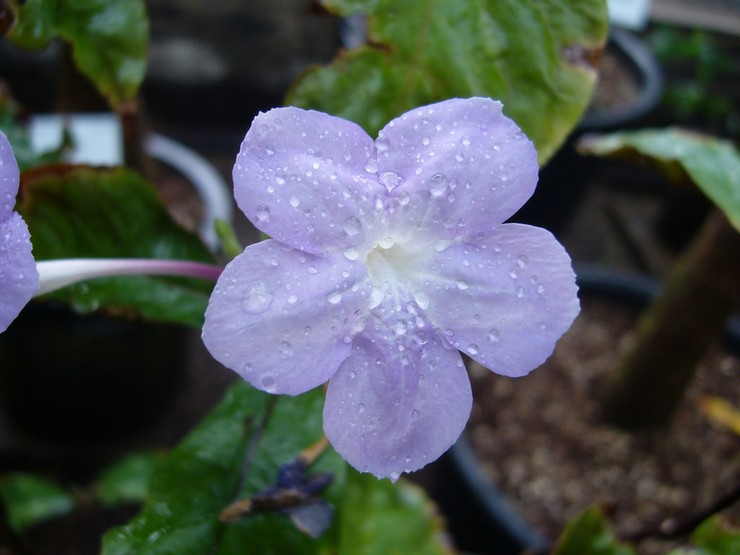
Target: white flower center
<point>392,266</point>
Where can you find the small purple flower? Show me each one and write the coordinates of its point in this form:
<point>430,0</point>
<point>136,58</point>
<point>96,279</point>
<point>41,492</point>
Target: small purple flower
<point>18,276</point>
<point>388,257</point>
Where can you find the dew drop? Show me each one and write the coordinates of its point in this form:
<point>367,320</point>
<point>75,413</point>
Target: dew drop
<point>361,407</point>
<point>520,292</point>
<point>267,382</point>
<point>394,476</point>
<point>422,299</point>
<point>540,289</point>
<point>522,261</point>
<point>334,297</point>
<point>371,166</point>
<point>292,299</point>
<point>513,274</point>
<point>473,349</point>
<point>286,349</point>
<point>425,141</point>
<point>462,284</point>
<point>493,335</point>
<point>351,253</point>
<point>442,245</point>
<point>259,297</point>
<point>376,297</point>
<point>279,180</point>
<point>390,180</point>
<point>312,270</point>
<point>263,213</point>
<point>439,184</point>
<point>352,226</point>
<point>294,201</point>
<point>386,242</point>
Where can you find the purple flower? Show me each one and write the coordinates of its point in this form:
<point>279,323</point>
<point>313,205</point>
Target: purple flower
<point>388,257</point>
<point>18,276</point>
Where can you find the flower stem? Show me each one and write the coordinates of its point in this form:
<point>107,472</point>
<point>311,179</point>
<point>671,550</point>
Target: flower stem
<point>676,330</point>
<point>55,274</point>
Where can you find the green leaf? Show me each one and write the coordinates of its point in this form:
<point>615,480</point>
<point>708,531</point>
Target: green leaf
<point>589,532</point>
<point>29,500</point>
<point>380,518</point>
<point>536,56</point>
<point>127,481</point>
<point>19,138</point>
<point>235,454</point>
<point>250,432</point>
<point>711,164</point>
<point>109,39</point>
<point>715,536</point>
<point>81,212</point>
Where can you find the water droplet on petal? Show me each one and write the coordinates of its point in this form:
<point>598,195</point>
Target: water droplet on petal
<point>294,201</point>
<point>462,284</point>
<point>259,297</point>
<point>334,297</point>
<point>286,349</point>
<point>371,166</point>
<point>473,349</point>
<point>442,245</point>
<point>422,299</point>
<point>263,213</point>
<point>267,382</point>
<point>438,185</point>
<point>352,226</point>
<point>376,297</point>
<point>493,335</point>
<point>394,476</point>
<point>280,180</point>
<point>292,299</point>
<point>312,270</point>
<point>522,261</point>
<point>390,180</point>
<point>351,253</point>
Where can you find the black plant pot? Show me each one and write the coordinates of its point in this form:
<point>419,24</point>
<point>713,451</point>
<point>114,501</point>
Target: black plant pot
<point>70,378</point>
<point>564,179</point>
<point>479,516</point>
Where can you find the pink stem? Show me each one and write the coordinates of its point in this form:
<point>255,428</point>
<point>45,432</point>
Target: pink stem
<point>55,274</point>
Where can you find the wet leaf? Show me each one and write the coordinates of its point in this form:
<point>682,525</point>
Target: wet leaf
<point>378,517</point>
<point>589,532</point>
<point>715,536</point>
<point>81,212</point>
<point>240,452</point>
<point>682,156</point>
<point>31,499</point>
<point>127,481</point>
<point>109,39</point>
<point>233,454</point>
<point>536,56</point>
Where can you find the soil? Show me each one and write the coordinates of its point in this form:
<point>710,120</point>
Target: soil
<point>540,439</point>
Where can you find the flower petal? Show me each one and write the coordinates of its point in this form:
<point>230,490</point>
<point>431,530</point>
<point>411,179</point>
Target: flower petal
<point>463,167</point>
<point>19,279</point>
<point>9,178</point>
<point>506,301</point>
<point>301,178</point>
<point>389,411</point>
<point>283,319</point>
